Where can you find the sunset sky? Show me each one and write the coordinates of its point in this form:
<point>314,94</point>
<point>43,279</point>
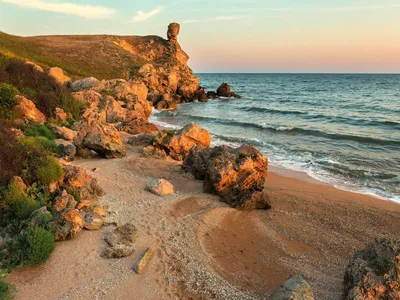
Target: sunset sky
<point>235,35</point>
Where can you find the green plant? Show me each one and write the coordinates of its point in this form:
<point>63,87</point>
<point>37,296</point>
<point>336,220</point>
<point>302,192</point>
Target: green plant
<point>75,193</point>
<point>40,244</point>
<point>39,130</point>
<point>8,99</point>
<point>47,170</point>
<point>38,144</point>
<point>6,291</point>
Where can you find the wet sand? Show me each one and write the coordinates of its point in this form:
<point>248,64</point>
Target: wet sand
<point>203,248</point>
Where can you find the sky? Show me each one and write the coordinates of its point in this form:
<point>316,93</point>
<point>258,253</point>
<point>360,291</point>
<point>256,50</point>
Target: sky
<point>271,36</point>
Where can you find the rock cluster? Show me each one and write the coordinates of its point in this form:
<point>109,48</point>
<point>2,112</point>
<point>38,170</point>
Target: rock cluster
<point>236,175</point>
<point>374,273</point>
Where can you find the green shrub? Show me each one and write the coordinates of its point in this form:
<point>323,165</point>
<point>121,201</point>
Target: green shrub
<point>48,170</point>
<point>38,144</point>
<point>6,291</point>
<point>8,99</point>
<point>39,130</point>
<point>40,244</point>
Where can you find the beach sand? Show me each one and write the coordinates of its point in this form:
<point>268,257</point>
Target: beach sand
<point>203,248</point>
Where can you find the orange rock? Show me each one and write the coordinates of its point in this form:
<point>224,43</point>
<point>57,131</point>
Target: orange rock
<point>28,112</point>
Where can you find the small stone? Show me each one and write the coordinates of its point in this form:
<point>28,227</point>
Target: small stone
<point>93,221</point>
<point>160,187</point>
<point>143,261</point>
<point>95,170</point>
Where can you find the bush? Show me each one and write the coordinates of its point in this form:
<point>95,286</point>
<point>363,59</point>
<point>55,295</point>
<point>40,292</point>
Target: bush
<point>38,146</point>
<point>8,99</point>
<point>40,244</point>
<point>6,292</point>
<point>39,130</point>
<point>47,170</point>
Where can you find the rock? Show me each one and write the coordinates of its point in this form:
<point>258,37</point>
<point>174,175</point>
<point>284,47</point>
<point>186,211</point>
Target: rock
<point>202,96</point>
<point>178,144</point>
<point>236,175</point>
<point>96,170</point>
<point>68,151</point>
<point>83,204</point>
<point>296,288</point>
<point>101,138</point>
<point>84,84</point>
<point>78,180</point>
<point>58,75</point>
<point>67,224</point>
<point>224,90</point>
<point>62,116</point>
<point>28,112</point>
<point>234,95</point>
<point>212,95</point>
<point>93,221</point>
<point>187,90</point>
<point>34,66</point>
<point>114,111</point>
<point>40,217</point>
<point>141,139</point>
<point>374,273</point>
<point>160,187</point>
<point>120,241</point>
<point>143,261</point>
<point>64,201</point>
<point>83,152</point>
<point>173,32</point>
<point>20,182</point>
<point>138,126</point>
<point>151,151</point>
<point>63,132</point>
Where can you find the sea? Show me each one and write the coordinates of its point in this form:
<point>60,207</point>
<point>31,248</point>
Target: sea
<point>341,129</point>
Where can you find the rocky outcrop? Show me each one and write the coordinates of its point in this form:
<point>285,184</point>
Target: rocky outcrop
<point>374,273</point>
<point>62,116</point>
<point>84,84</point>
<point>34,66</point>
<point>137,126</point>
<point>236,175</point>
<point>160,187</point>
<point>64,201</point>
<point>58,75</point>
<point>63,132</point>
<point>177,144</point>
<point>120,241</point>
<point>224,90</point>
<point>27,111</point>
<point>173,32</point>
<point>76,179</point>
<point>67,151</point>
<point>101,138</point>
<point>296,288</point>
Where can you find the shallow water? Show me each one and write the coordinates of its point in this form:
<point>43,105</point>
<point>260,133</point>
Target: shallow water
<point>340,129</point>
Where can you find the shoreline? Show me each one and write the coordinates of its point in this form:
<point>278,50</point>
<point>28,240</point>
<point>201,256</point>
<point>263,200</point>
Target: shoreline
<point>303,175</point>
<point>312,229</point>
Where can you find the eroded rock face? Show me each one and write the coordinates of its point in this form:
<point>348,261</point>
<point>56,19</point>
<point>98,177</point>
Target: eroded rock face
<point>236,175</point>
<point>77,179</point>
<point>101,138</point>
<point>173,32</point>
<point>28,112</point>
<point>177,144</point>
<point>120,241</point>
<point>296,288</point>
<point>374,273</point>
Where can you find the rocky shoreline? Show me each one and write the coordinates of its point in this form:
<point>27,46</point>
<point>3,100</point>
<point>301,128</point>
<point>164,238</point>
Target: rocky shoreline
<point>207,222</point>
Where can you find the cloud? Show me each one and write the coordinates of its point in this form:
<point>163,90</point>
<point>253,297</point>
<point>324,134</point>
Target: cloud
<point>80,10</point>
<point>142,16</point>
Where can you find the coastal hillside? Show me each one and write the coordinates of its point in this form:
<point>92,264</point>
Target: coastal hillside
<point>101,56</point>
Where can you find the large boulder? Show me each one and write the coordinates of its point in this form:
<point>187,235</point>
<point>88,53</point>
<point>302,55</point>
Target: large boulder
<point>58,75</point>
<point>177,144</point>
<point>76,179</point>
<point>63,132</point>
<point>101,138</point>
<point>374,273</point>
<point>84,84</point>
<point>160,187</point>
<point>236,175</point>
<point>138,125</point>
<point>120,241</point>
<point>27,111</point>
<point>224,90</point>
<point>296,288</point>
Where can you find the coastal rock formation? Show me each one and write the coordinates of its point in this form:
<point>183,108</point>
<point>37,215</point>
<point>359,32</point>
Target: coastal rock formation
<point>177,144</point>
<point>374,273</point>
<point>224,90</point>
<point>160,187</point>
<point>63,132</point>
<point>27,111</point>
<point>76,179</point>
<point>58,75</point>
<point>137,126</point>
<point>101,138</point>
<point>236,175</point>
<point>173,32</point>
<point>296,288</point>
<point>120,241</point>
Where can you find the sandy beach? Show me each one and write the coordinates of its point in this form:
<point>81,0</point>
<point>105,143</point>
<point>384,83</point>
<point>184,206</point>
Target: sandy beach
<point>203,248</point>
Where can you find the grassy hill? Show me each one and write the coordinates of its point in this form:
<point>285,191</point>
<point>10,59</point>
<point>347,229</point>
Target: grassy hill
<point>101,56</point>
